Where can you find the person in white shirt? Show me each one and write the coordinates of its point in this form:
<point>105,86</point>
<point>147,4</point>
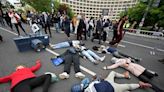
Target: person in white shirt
<point>66,44</point>
<point>139,71</point>
<point>109,85</point>
<point>16,20</point>
<point>93,57</point>
<point>35,29</point>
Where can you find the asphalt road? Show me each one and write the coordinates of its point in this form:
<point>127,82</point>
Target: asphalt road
<point>136,46</point>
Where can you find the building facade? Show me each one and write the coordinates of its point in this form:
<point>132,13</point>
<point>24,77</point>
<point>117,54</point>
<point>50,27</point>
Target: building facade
<point>94,8</point>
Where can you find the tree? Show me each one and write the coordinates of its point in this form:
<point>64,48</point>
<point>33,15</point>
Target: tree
<point>155,14</point>
<point>63,8</point>
<point>40,5</point>
<point>45,5</point>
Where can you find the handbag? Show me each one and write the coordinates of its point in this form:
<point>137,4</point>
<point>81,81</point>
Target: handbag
<point>57,61</point>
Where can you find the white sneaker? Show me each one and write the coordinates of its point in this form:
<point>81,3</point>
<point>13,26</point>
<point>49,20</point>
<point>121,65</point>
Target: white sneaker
<point>102,58</point>
<point>64,75</point>
<point>79,75</point>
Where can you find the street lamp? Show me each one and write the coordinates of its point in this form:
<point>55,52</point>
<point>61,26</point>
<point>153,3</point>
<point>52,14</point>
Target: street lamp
<point>145,14</point>
<point>52,6</point>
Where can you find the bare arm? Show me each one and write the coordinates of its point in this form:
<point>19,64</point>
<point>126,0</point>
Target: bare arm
<point>113,66</point>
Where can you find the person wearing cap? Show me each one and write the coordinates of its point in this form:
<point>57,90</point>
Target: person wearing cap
<point>66,44</point>
<point>108,84</point>
<point>86,53</point>
<point>24,80</point>
<point>71,56</point>
<point>114,52</point>
<point>139,71</point>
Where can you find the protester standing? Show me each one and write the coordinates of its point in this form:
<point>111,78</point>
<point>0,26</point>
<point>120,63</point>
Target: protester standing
<point>16,20</point>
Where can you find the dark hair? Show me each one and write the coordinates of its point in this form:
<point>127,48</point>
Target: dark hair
<point>95,48</point>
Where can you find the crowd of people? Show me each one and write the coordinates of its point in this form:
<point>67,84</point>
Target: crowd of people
<point>79,25</point>
<point>24,80</point>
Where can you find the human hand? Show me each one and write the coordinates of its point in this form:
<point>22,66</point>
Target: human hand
<point>105,67</point>
<point>38,61</point>
<point>118,33</point>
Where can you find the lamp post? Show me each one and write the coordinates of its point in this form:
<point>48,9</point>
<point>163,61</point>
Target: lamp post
<point>52,6</point>
<point>145,14</point>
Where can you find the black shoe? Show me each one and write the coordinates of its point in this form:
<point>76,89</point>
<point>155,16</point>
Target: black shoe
<point>92,40</point>
<point>137,59</point>
<point>155,74</point>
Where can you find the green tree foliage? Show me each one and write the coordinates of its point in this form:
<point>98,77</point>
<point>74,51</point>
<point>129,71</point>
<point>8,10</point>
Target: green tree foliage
<point>63,8</point>
<point>40,5</point>
<point>155,14</point>
<point>45,5</point>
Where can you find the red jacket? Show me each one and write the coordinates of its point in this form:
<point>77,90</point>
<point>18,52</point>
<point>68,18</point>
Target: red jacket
<point>20,75</point>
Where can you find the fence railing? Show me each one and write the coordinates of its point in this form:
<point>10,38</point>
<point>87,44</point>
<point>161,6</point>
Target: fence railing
<point>144,32</point>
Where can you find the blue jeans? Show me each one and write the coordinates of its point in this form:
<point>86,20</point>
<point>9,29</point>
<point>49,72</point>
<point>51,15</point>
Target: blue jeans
<point>57,27</point>
<point>90,55</point>
<point>61,45</point>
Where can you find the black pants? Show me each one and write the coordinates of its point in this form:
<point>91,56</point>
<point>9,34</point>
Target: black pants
<point>67,32</point>
<point>69,58</point>
<point>89,31</point>
<point>8,21</point>
<point>122,55</point>
<point>79,34</point>
<point>145,77</point>
<point>1,38</point>
<point>45,29</point>
<point>85,34</point>
<point>1,21</point>
<point>116,40</point>
<point>97,36</point>
<point>114,35</point>
<point>28,84</point>
<point>20,25</point>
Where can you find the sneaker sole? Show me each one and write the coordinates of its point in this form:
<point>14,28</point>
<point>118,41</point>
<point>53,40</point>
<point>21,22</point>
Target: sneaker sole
<point>62,77</point>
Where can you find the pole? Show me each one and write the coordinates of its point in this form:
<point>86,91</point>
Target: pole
<point>52,6</point>
<point>145,14</point>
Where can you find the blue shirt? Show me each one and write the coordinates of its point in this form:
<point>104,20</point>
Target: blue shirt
<point>104,86</point>
<point>111,50</point>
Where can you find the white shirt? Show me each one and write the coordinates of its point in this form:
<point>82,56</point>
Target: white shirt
<point>13,17</point>
<point>75,42</point>
<point>34,28</point>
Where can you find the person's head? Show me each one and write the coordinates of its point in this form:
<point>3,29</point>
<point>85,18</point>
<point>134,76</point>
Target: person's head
<point>95,48</point>
<point>91,18</point>
<point>79,17</point>
<point>19,67</point>
<point>100,16</point>
<point>11,10</point>
<point>125,17</point>
<point>114,22</point>
<point>114,60</point>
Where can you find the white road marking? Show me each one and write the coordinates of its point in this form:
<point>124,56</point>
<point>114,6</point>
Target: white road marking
<point>97,40</point>
<point>85,69</point>
<point>82,68</point>
<point>56,54</point>
<point>118,44</point>
<point>140,45</point>
<point>8,31</point>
